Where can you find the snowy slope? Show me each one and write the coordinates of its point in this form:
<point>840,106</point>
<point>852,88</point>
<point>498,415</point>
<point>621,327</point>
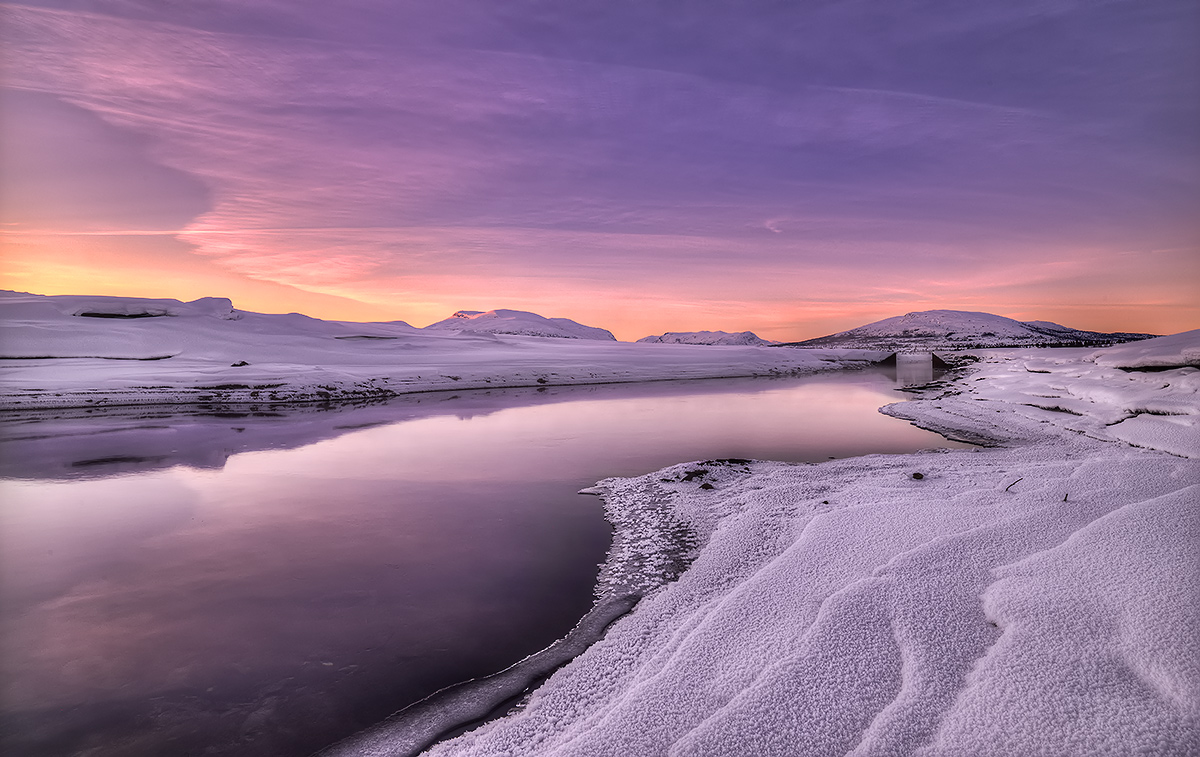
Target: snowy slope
<point>518,322</point>
<point>1033,599</point>
<point>707,337</point>
<point>957,329</point>
<point>1085,393</point>
<point>69,351</point>
<point>1173,351</point>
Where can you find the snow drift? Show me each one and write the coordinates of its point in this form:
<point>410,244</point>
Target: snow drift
<point>1175,351</point>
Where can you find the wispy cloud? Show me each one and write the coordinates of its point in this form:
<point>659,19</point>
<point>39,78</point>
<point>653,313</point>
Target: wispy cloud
<point>338,154</point>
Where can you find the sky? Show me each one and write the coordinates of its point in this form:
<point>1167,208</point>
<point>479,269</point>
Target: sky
<point>793,168</point>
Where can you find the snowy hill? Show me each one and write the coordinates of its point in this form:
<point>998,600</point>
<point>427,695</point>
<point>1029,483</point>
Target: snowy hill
<point>74,351</point>
<point>1174,351</point>
<point>519,323</point>
<point>961,330</point>
<point>742,338</point>
<point>135,328</point>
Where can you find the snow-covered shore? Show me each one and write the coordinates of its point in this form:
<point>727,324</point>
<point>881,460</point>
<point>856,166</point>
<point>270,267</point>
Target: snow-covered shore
<point>67,351</point>
<point>1035,598</point>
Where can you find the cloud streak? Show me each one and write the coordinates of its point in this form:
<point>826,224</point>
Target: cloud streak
<point>341,156</point>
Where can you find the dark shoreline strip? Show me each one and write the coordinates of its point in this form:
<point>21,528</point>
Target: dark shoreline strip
<point>418,726</point>
<point>81,357</point>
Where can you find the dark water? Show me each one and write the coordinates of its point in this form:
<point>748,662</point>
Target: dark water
<point>190,584</point>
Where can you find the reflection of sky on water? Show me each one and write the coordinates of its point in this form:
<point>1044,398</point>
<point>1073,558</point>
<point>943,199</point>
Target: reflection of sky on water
<point>294,595</point>
<point>598,438</point>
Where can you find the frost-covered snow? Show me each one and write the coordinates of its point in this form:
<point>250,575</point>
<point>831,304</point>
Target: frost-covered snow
<point>519,322</point>
<point>707,337</point>
<point>1165,352</point>
<point>958,330</point>
<point>1080,392</point>
<point>54,354</point>
<point>1036,598</point>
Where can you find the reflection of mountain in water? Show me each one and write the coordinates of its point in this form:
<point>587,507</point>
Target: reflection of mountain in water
<point>82,443</point>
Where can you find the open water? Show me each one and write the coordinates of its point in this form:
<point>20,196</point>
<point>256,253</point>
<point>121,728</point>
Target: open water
<point>266,584</point>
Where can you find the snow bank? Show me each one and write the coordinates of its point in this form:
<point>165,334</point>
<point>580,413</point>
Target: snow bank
<point>1173,351</point>
<point>707,337</point>
<point>1078,391</point>
<point>1100,643</point>
<point>1037,599</point>
<point>847,608</point>
<point>164,351</point>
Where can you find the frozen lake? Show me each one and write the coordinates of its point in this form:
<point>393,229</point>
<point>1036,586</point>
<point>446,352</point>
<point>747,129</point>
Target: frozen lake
<point>265,584</point>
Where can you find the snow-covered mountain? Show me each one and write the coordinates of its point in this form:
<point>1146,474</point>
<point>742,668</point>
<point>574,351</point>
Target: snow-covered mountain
<point>961,330</point>
<point>34,326</point>
<point>520,323</point>
<point>81,351</point>
<point>740,338</point>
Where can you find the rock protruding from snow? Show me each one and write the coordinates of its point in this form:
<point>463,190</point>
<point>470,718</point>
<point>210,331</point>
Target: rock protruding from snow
<point>741,338</point>
<point>963,330</point>
<point>519,323</point>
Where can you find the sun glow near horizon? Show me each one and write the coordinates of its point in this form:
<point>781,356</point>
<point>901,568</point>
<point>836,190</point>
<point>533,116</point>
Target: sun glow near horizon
<point>554,163</point>
<point>118,266</point>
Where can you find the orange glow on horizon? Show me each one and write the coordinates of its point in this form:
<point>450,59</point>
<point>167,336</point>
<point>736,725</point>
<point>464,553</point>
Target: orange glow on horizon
<point>156,266</point>
<point>162,266</point>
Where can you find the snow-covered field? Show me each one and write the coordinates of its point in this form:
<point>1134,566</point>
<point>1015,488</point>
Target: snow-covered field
<point>1039,597</point>
<point>1035,597</point>
<point>73,351</point>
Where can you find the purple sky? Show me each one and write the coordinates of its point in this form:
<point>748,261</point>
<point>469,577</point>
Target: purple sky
<point>788,167</point>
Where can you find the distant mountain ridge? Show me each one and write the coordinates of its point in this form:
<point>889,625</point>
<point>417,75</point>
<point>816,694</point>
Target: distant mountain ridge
<point>962,330</point>
<point>739,338</point>
<point>519,323</point>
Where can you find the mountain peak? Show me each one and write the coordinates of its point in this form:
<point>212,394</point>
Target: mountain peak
<point>708,337</point>
<point>519,323</point>
<point>962,330</point>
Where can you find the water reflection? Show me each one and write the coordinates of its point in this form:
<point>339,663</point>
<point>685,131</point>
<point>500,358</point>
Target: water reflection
<point>266,584</point>
<point>911,369</point>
